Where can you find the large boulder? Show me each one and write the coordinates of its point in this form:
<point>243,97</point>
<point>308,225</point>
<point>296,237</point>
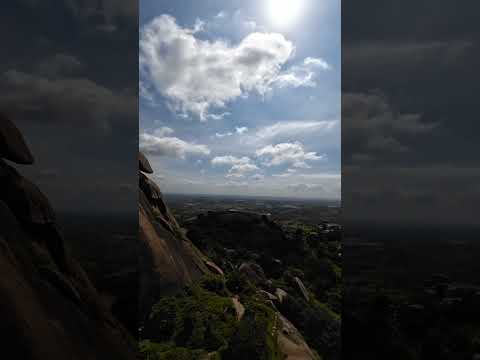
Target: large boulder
<point>239,308</point>
<point>253,272</point>
<point>291,342</point>
<point>26,200</point>
<point>12,144</point>
<point>214,268</point>
<point>144,164</point>
<point>281,295</point>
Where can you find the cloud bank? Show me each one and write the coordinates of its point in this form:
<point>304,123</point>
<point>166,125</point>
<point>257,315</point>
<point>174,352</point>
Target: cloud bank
<point>198,75</point>
<point>159,145</point>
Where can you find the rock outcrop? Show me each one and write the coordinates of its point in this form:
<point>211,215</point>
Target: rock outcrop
<point>253,272</point>
<point>50,309</point>
<point>292,343</point>
<point>168,260</point>
<point>302,288</point>
<point>12,144</point>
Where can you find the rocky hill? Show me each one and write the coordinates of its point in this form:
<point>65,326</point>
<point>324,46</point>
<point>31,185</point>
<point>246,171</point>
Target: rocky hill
<point>168,261</point>
<point>199,310</point>
<point>50,309</point>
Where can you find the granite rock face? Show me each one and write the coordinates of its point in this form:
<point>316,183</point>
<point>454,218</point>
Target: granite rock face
<point>12,144</point>
<point>50,308</point>
<point>168,260</point>
<point>144,164</point>
<point>291,342</point>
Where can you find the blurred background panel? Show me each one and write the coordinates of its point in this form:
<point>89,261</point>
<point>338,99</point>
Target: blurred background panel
<point>69,82</point>
<point>410,179</point>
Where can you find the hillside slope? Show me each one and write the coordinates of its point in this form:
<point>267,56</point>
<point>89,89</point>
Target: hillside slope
<point>168,260</point>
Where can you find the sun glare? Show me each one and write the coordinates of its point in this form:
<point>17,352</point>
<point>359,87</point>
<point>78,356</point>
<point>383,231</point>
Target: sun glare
<point>284,13</point>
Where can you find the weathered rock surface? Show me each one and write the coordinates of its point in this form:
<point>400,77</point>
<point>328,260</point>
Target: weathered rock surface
<point>302,288</point>
<point>168,260</point>
<point>214,268</point>
<point>12,144</point>
<point>239,308</point>
<point>281,295</point>
<point>49,307</point>
<point>253,272</point>
<point>292,343</point>
<point>267,296</point>
<point>144,164</point>
<point>26,200</point>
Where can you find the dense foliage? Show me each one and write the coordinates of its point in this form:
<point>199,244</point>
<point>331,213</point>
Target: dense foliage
<point>202,320</point>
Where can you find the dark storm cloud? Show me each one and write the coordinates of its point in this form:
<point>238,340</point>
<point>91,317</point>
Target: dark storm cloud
<point>69,78</point>
<point>409,109</point>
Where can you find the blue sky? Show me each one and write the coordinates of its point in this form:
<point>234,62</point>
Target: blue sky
<point>242,97</point>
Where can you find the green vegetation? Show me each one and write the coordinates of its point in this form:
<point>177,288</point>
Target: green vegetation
<point>155,351</point>
<point>255,337</point>
<point>202,321</point>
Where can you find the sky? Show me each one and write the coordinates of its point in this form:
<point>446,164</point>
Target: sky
<point>410,112</point>
<point>241,97</point>
<point>69,79</point>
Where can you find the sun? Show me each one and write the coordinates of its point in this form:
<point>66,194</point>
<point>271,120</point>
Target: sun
<point>284,13</point>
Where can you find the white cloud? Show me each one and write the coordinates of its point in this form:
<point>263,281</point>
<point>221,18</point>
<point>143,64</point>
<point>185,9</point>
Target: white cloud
<point>243,168</point>
<point>222,135</point>
<point>230,160</point>
<point>238,166</point>
<point>221,15</point>
<point>218,116</point>
<point>234,175</point>
<point>290,172</point>
<point>303,74</point>
<point>163,131</point>
<point>241,130</point>
<point>197,76</point>
<point>170,146</point>
<point>293,128</point>
<point>287,153</point>
<point>310,61</point>
<point>238,131</point>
